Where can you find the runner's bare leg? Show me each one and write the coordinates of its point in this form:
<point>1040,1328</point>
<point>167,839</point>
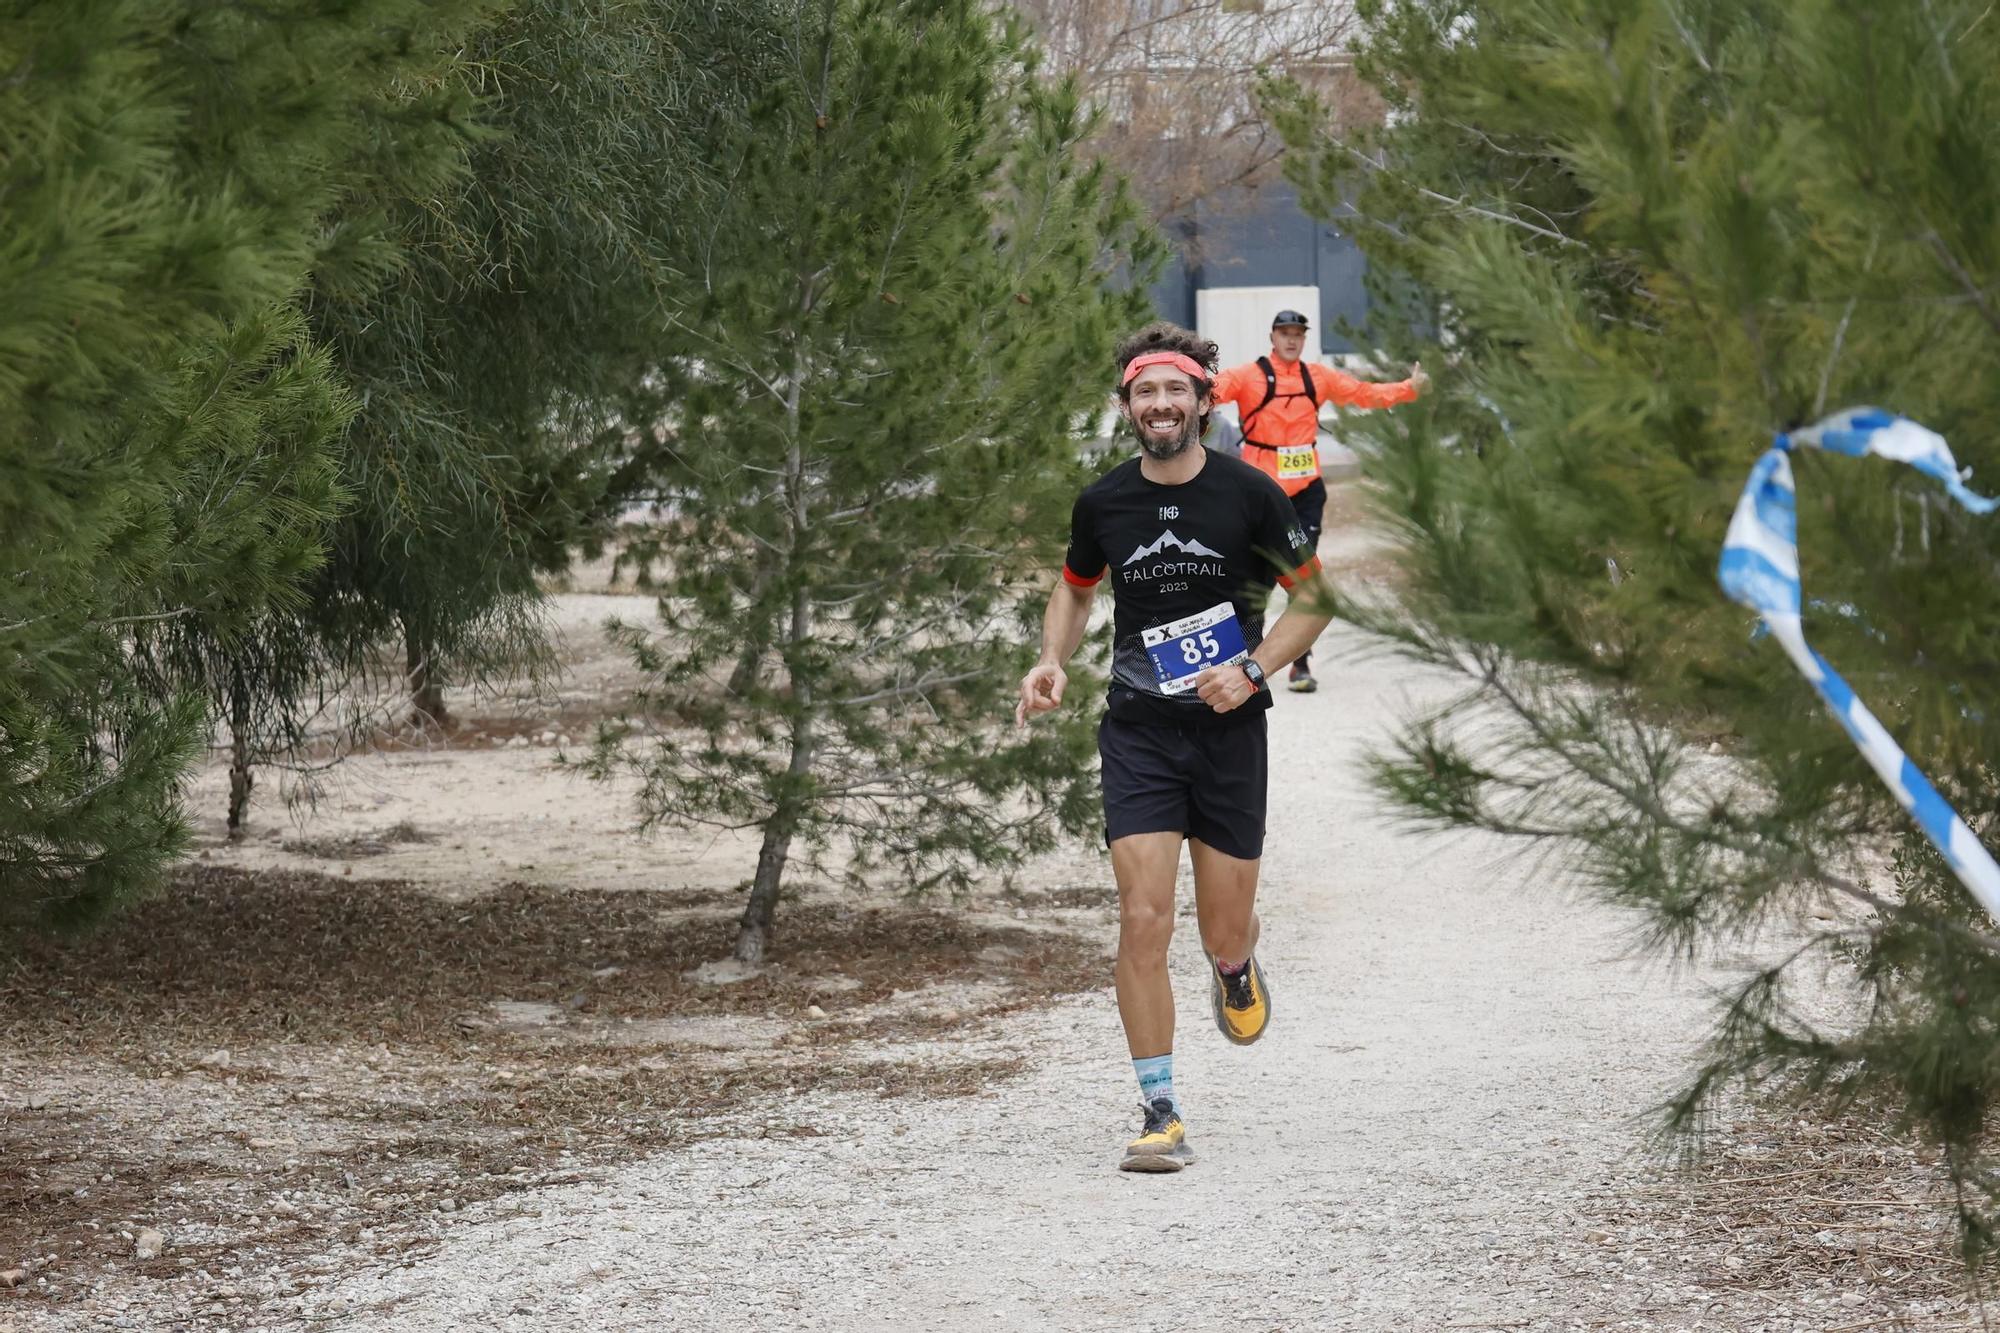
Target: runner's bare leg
<point>1225,902</point>
<point>1145,865</point>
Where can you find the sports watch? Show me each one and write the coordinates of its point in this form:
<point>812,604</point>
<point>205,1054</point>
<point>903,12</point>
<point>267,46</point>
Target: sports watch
<point>1254,672</point>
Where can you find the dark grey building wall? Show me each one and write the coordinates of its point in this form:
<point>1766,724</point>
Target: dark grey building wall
<point>1260,238</point>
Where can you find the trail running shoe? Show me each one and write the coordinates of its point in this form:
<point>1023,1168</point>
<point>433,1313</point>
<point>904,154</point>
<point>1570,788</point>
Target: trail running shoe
<point>1162,1142</point>
<point>1301,681</point>
<point>1242,1002</point>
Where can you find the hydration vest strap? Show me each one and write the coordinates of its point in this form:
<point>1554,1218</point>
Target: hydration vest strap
<point>1311,394</point>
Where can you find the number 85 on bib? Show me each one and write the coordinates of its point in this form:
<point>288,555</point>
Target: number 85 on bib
<point>1182,649</point>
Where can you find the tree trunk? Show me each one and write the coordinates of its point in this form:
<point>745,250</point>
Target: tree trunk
<point>240,779</point>
<point>749,666</point>
<point>757,641</point>
<point>753,931</point>
<point>426,690</point>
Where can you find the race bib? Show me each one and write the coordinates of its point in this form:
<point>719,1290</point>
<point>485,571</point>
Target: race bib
<point>1302,461</point>
<point>1185,648</point>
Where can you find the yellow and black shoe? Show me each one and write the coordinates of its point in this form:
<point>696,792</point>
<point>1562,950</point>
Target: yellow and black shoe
<point>1162,1143</point>
<point>1300,680</point>
<point>1242,1002</point>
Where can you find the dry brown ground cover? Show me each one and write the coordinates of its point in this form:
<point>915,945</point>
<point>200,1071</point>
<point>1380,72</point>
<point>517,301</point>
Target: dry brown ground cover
<point>1776,1205</point>
<point>292,1070</point>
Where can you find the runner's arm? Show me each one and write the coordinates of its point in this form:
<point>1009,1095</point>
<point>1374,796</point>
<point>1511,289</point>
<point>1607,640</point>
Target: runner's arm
<point>1226,687</point>
<point>1066,620</point>
<point>1276,531</point>
<point>1063,626</point>
<point>1308,599</point>
<point>1231,386</point>
<point>1299,627</point>
<point>1338,387</point>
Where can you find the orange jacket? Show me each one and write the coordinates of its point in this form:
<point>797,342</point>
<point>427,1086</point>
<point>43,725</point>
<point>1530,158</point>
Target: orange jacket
<point>1282,438</point>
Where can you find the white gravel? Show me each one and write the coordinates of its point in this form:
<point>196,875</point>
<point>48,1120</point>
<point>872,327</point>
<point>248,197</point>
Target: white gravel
<point>1445,1102</point>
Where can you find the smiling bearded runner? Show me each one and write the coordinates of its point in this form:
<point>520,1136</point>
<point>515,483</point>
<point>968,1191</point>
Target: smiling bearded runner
<point>1192,542</point>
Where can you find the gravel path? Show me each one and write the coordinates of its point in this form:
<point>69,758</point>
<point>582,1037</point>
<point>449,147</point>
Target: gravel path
<point>1442,1110</point>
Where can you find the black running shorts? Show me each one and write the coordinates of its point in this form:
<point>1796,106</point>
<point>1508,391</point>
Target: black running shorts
<point>1205,782</point>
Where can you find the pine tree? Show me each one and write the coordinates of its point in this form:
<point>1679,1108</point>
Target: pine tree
<point>168,428</point>
<point>887,333</point>
<point>1660,233</point>
<point>486,362</point>
<point>496,364</point>
<point>491,360</point>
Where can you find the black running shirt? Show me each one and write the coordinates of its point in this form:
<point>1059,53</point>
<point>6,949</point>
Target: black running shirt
<point>1178,556</point>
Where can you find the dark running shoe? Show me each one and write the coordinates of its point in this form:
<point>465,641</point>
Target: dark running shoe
<point>1162,1142</point>
<point>1301,681</point>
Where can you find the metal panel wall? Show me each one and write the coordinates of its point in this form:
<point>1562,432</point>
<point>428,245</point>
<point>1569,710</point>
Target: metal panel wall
<point>1261,238</point>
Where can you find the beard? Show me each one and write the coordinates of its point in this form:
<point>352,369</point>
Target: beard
<point>1164,448</point>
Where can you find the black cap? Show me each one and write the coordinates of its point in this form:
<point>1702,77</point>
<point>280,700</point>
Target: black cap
<point>1286,318</point>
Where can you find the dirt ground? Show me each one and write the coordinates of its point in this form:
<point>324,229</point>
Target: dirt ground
<point>450,1047</point>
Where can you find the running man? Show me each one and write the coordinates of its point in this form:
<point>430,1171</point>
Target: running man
<point>1277,399</point>
<point>1192,541</point>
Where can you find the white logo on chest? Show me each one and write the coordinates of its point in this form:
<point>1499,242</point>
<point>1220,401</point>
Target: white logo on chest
<point>1167,539</point>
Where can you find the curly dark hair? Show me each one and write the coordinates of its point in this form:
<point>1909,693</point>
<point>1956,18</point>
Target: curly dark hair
<point>1166,336</point>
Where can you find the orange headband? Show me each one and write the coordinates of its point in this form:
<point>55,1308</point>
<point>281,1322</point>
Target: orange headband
<point>1187,365</point>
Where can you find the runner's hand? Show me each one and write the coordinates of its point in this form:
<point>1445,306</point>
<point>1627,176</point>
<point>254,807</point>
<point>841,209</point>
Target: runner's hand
<point>1041,692</point>
<point>1420,379</point>
<point>1223,687</point>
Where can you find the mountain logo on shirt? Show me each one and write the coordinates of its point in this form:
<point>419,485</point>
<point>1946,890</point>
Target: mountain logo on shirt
<point>1166,539</point>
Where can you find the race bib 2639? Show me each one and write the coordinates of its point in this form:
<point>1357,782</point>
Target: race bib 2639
<point>1302,461</point>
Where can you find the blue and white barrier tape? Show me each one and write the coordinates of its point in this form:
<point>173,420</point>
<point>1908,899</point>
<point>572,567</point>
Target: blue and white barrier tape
<point>1760,569</point>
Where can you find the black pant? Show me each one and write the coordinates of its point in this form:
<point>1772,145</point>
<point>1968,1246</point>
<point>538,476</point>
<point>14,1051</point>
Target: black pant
<point>1310,505</point>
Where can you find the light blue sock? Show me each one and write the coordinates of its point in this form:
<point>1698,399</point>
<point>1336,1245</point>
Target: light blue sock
<point>1156,1079</point>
